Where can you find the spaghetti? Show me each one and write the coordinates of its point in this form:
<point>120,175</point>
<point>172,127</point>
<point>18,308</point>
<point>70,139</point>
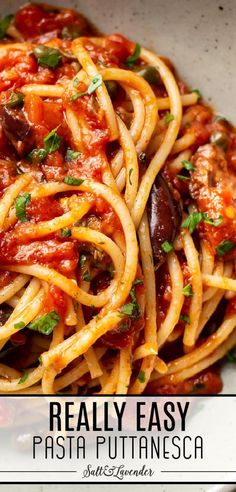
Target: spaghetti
<point>117,216</point>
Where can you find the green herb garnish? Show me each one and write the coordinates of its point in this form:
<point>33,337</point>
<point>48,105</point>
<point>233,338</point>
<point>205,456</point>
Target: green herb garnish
<point>187,290</point>
<point>135,55</point>
<point>72,154</point>
<point>188,165</point>
<point>37,155</point>
<point>195,218</point>
<point>224,247</point>
<point>141,377</point>
<point>96,82</point>
<point>45,324</point>
<point>73,181</point>
<point>52,141</point>
<point>184,317</point>
<point>4,24</point>
<point>127,309</point>
<point>231,356</point>
<point>47,56</point>
<point>168,118</point>
<point>16,99</point>
<point>167,247</point>
<point>23,378</point>
<point>19,325</point>
<point>20,204</point>
<point>181,177</point>
<point>66,232</point>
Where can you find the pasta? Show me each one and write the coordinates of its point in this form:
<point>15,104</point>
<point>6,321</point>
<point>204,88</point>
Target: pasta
<point>117,216</point>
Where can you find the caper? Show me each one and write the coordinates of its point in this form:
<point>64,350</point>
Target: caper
<point>220,139</point>
<point>71,32</point>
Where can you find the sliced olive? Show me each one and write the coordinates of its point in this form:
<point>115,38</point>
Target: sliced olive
<point>111,88</point>
<point>149,73</point>
<point>220,139</point>
<point>71,32</point>
<point>164,215</point>
<point>16,128</point>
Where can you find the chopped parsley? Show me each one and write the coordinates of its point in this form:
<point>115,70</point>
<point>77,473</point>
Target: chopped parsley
<point>47,56</point>
<point>72,154</point>
<point>166,247</point>
<point>184,317</point>
<point>127,309</point>
<point>19,325</point>
<point>182,177</point>
<point>141,377</point>
<point>224,247</point>
<point>73,181</point>
<point>168,118</point>
<point>16,99</point>
<point>188,165</point>
<point>4,24</point>
<point>192,221</point>
<point>130,61</point>
<point>195,218</point>
<point>23,378</point>
<point>45,324</point>
<point>52,141</point>
<point>20,204</point>
<point>96,82</point>
<point>132,309</point>
<point>187,290</point>
<point>66,232</point>
<point>37,155</point>
<point>231,357</point>
<point>137,281</point>
<point>198,93</point>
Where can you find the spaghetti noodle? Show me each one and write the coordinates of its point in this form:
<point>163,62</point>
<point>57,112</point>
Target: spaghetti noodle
<point>117,216</point>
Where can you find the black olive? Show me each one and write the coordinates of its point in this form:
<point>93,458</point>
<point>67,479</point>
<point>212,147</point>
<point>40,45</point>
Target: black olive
<point>164,215</point>
<point>16,128</point>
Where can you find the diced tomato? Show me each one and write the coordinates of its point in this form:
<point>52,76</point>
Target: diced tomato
<point>55,301</point>
<point>42,209</point>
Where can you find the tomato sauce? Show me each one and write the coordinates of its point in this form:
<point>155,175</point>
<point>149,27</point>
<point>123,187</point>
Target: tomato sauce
<point>205,383</point>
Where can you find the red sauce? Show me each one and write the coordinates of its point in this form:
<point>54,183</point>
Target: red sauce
<point>55,301</point>
<point>34,20</point>
<point>207,382</point>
